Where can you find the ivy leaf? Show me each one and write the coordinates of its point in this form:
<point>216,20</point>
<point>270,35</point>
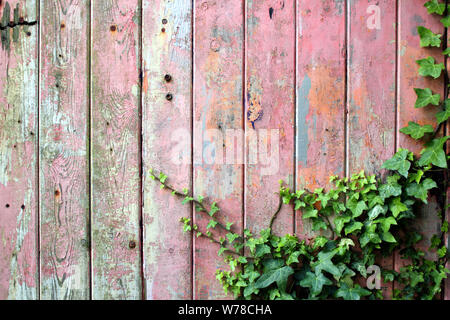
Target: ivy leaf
<point>390,188</point>
<point>434,153</point>
<point>279,276</point>
<point>388,237</point>
<point>428,37</point>
<point>429,68</point>
<point>399,163</point>
<point>446,51</point>
<point>385,223</point>
<point>293,258</point>
<point>426,97</point>
<point>368,237</point>
<point>420,191</point>
<point>353,227</point>
<point>357,208</point>
<point>213,209</point>
<point>340,221</point>
<point>445,114</point>
<point>212,224</point>
<point>416,131</point>
<point>315,282</point>
<point>261,250</point>
<point>351,293</point>
<point>376,211</point>
<point>325,264</point>
<point>310,212</point>
<point>446,21</point>
<point>397,206</point>
<point>434,6</point>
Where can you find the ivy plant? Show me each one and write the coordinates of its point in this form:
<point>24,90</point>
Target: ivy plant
<point>357,221</point>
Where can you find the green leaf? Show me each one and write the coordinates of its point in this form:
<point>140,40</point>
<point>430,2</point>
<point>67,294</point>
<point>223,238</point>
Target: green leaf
<point>213,209</point>
<point>446,21</point>
<point>368,237</point>
<point>315,282</point>
<point>399,163</point>
<point>353,227</point>
<point>340,222</point>
<point>346,242</point>
<point>429,68</point>
<point>434,6</point>
<point>416,131</point>
<point>443,116</point>
<point>261,250</point>
<point>388,237</point>
<point>390,188</point>
<point>385,223</point>
<point>351,293</point>
<point>426,97</point>
<point>279,276</point>
<point>357,208</point>
<point>324,263</point>
<point>428,38</point>
<point>310,212</point>
<point>420,191</point>
<point>434,153</point>
<point>228,225</point>
<point>397,206</point>
<point>446,51</point>
<point>212,224</point>
<point>293,258</point>
<point>376,211</point>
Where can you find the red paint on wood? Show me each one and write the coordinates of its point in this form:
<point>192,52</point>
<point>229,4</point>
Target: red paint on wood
<point>270,111</point>
<point>167,68</point>
<point>18,144</point>
<point>218,107</point>
<point>116,267</point>
<point>64,157</point>
<point>372,87</point>
<point>320,136</point>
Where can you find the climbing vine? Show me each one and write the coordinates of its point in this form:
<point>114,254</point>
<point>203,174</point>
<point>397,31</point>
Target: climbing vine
<point>358,221</point>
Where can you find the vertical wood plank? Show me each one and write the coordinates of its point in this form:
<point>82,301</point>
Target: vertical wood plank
<point>18,163</point>
<point>218,107</point>
<point>167,50</point>
<point>411,15</point>
<point>372,89</point>
<point>270,111</point>
<point>116,258</point>
<point>321,69</point>
<point>64,158</point>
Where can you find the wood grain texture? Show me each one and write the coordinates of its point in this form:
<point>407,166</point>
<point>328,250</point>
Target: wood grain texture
<point>320,105</point>
<point>413,14</point>
<point>167,50</point>
<point>269,111</point>
<point>64,158</point>
<point>18,149</point>
<point>116,190</point>
<point>372,90</point>
<point>218,107</point>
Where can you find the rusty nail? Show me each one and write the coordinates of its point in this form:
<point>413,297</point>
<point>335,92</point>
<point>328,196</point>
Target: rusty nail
<point>163,30</point>
<point>63,25</point>
<point>169,96</point>
<point>7,205</point>
<point>56,192</point>
<point>112,28</point>
<point>28,33</point>
<point>167,77</point>
<point>22,206</point>
<point>132,244</point>
<point>11,23</point>
<point>21,20</point>
<point>164,21</point>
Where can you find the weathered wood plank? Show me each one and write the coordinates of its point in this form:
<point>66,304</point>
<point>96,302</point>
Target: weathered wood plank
<point>372,90</point>
<point>64,158</point>
<point>218,110</point>
<point>270,111</point>
<point>167,50</point>
<point>18,145</point>
<point>320,113</point>
<point>411,15</point>
<point>116,190</point>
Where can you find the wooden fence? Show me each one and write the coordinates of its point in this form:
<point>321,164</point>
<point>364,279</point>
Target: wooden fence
<point>95,93</point>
